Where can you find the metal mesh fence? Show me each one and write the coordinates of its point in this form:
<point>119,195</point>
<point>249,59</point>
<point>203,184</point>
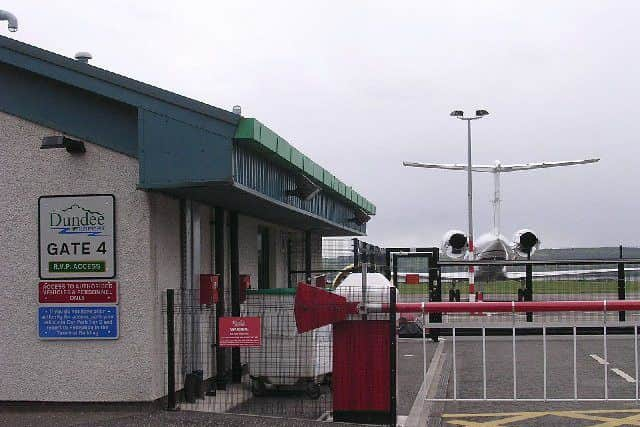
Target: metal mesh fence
<point>284,374</point>
<point>327,262</point>
<point>549,281</point>
<point>337,258</point>
<point>287,374</point>
<point>337,252</point>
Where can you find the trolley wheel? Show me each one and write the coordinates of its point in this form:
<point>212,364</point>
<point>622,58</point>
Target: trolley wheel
<point>258,388</point>
<point>312,390</point>
<point>327,379</point>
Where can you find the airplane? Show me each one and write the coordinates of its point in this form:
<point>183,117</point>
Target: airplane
<point>494,246</point>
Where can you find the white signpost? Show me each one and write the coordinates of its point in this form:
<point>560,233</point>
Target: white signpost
<point>77,237</point>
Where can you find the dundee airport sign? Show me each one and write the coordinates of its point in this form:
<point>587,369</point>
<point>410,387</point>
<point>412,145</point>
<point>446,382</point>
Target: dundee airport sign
<point>77,237</point>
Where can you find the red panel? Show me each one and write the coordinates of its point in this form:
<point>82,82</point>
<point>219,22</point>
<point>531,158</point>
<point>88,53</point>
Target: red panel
<point>78,292</point>
<point>361,365</point>
<point>412,279</point>
<point>208,289</point>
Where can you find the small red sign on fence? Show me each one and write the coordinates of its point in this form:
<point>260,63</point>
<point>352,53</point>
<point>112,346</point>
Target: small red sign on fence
<point>412,279</point>
<point>239,332</point>
<point>78,292</point>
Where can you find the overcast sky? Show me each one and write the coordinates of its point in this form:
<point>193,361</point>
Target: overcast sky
<point>361,86</point>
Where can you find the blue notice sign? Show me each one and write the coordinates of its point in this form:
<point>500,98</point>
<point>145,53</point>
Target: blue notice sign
<point>78,322</point>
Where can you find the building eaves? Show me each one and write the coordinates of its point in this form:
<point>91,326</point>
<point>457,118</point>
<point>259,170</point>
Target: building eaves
<point>251,130</point>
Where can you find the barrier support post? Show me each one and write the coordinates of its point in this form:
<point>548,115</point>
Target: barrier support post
<point>528,294</point>
<point>621,290</point>
<point>392,356</point>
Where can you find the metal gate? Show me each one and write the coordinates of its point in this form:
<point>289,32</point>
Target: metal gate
<point>554,331</point>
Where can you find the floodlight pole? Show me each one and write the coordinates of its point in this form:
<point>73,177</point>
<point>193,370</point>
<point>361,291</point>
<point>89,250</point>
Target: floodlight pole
<point>472,291</point>
<point>479,115</point>
<point>470,189</point>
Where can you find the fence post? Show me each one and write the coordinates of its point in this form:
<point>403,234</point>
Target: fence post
<point>621,290</point>
<point>392,356</point>
<point>308,264</point>
<point>528,295</point>
<point>171,355</point>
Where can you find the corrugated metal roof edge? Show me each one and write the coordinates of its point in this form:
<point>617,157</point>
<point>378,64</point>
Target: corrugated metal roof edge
<point>117,80</point>
<point>253,130</point>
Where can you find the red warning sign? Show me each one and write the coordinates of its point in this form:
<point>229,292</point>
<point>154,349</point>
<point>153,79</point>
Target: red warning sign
<point>239,332</point>
<point>78,292</point>
<point>412,279</point>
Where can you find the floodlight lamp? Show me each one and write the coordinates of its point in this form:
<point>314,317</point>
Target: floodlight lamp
<point>481,113</point>
<point>457,113</point>
<point>305,189</point>
<point>54,141</point>
<point>360,217</point>
<point>59,141</point>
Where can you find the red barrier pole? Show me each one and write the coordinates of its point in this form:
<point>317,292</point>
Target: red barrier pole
<point>508,307</point>
<point>315,307</point>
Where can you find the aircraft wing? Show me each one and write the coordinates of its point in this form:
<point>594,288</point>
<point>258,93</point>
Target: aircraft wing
<point>451,166</point>
<point>516,275</point>
<point>541,165</point>
<point>567,273</point>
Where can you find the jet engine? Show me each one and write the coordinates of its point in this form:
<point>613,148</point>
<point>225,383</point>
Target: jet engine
<point>455,244</point>
<point>525,242</point>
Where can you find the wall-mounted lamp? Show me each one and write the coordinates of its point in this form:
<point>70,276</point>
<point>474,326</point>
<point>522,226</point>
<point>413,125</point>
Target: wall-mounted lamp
<point>72,146</point>
<point>305,188</point>
<point>360,217</point>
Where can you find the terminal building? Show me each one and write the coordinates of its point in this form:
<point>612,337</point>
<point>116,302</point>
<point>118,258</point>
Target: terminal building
<point>114,191</point>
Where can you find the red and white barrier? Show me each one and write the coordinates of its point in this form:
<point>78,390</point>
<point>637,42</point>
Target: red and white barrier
<point>316,307</point>
<point>517,307</point>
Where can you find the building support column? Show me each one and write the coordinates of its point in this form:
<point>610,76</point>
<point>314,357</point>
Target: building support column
<point>219,221</point>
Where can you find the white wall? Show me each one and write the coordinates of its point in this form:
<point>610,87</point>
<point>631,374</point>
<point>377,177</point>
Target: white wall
<point>33,369</point>
<point>131,368</point>
<point>165,250</point>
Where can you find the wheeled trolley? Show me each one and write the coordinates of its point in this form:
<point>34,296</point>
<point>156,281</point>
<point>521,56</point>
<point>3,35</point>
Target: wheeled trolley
<point>286,360</point>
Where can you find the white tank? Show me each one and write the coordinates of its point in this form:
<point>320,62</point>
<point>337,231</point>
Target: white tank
<point>377,291</point>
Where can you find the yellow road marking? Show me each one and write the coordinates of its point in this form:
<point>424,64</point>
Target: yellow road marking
<point>584,416</point>
<point>500,422</point>
<point>633,420</point>
<point>507,418</point>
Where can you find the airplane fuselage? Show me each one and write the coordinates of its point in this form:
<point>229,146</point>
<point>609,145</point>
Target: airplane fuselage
<point>492,247</point>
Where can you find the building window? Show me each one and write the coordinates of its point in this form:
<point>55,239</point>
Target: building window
<point>263,258</point>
